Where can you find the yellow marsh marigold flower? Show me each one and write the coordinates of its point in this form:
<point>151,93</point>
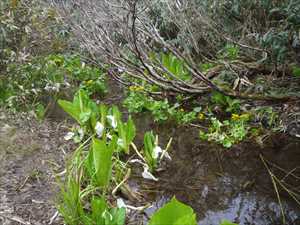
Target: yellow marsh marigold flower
<point>136,88</point>
<point>201,116</point>
<point>235,116</point>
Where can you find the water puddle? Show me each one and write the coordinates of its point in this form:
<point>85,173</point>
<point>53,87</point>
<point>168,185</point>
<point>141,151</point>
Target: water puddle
<point>225,184</point>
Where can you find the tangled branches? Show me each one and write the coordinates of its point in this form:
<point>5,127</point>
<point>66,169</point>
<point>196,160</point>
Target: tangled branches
<point>134,36</point>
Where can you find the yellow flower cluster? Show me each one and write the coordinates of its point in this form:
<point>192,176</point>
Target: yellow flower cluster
<point>244,116</point>
<point>201,116</point>
<point>136,88</point>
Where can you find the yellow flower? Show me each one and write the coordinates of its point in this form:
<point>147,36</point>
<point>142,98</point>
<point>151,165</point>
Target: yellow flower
<point>235,116</point>
<point>131,88</point>
<point>136,88</point>
<point>89,82</point>
<point>181,110</point>
<point>139,88</point>
<point>201,116</point>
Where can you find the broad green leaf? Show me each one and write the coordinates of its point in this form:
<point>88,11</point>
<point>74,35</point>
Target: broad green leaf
<point>118,215</point>
<point>102,155</point>
<point>174,213</point>
<point>149,146</point>
<point>98,206</point>
<point>103,113</point>
<point>130,130</point>
<point>80,109</point>
<point>70,109</point>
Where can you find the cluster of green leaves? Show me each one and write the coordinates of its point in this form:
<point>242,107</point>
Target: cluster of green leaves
<point>105,136</point>
<point>161,110</point>
<point>230,52</point>
<point>96,162</point>
<point>29,84</point>
<point>227,132</point>
<point>225,102</point>
<point>90,172</point>
<point>174,66</point>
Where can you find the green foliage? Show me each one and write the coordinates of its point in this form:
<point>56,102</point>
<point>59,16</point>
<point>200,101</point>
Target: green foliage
<point>40,112</point>
<point>81,109</point>
<point>149,151</point>
<point>136,102</point>
<point>175,66</point>
<point>70,206</point>
<point>126,131</point>
<point>161,110</point>
<point>230,52</point>
<point>102,155</point>
<point>42,77</point>
<point>296,71</point>
<point>228,132</point>
<point>267,116</point>
<point>174,213</point>
<point>277,42</point>
<point>93,169</point>
<point>204,67</point>
<point>227,103</point>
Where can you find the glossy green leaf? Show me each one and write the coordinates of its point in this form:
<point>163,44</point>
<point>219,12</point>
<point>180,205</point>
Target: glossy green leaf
<point>174,213</point>
<point>102,155</point>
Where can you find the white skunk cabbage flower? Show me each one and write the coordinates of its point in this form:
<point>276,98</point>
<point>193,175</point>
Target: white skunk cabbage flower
<point>112,120</point>
<point>99,128</point>
<point>156,152</point>
<point>147,175</point>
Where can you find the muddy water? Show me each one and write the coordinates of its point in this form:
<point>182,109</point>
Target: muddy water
<point>224,184</point>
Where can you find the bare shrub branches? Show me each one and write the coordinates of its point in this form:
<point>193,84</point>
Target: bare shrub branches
<point>131,35</point>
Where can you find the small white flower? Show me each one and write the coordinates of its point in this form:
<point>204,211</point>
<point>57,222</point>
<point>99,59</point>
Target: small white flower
<point>121,203</point>
<point>47,87</point>
<point>147,175</point>
<point>112,121</point>
<point>156,152</point>
<point>99,128</point>
<point>69,136</point>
